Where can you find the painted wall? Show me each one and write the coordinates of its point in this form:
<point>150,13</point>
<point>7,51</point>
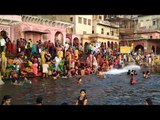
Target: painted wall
<point>51,31</point>
<point>81,27</point>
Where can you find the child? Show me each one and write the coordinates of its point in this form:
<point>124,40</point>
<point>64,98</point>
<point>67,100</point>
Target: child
<point>148,74</point>
<point>79,82</point>
<point>14,77</point>
<point>100,74</point>
<point>45,67</point>
<point>144,74</point>
<point>82,71</point>
<point>55,75</point>
<point>135,73</point>
<point>132,80</point>
<point>129,72</point>
<point>82,99</point>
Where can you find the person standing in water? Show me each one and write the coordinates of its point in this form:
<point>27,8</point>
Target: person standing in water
<point>6,100</point>
<point>148,101</point>
<point>82,99</point>
<point>39,101</point>
<point>133,80</point>
<point>79,82</point>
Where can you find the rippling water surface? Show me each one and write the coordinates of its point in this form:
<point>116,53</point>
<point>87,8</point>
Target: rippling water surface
<point>112,90</point>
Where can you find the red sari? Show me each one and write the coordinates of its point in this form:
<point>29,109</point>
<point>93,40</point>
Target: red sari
<point>14,48</point>
<point>9,46</point>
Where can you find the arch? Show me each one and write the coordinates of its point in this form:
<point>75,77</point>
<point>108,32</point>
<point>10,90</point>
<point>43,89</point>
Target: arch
<point>105,45</point>
<point>153,49</point>
<point>108,44</point>
<point>139,47</point>
<point>102,44</point>
<point>76,42</point>
<point>58,38</point>
<point>85,46</point>
<point>68,40</point>
<point>112,45</point>
<point>116,46</point>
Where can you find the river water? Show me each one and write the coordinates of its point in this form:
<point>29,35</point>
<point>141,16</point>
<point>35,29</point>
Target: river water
<point>112,90</point>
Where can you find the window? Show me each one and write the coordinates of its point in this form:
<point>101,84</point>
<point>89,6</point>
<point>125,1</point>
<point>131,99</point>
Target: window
<point>79,20</point>
<point>100,17</point>
<point>107,33</point>
<point>92,31</point>
<point>89,22</point>
<point>154,22</point>
<point>112,32</point>
<point>84,21</point>
<point>102,31</point>
<point>71,19</point>
<point>84,32</point>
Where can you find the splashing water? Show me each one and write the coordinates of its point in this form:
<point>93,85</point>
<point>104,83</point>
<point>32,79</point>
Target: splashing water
<point>123,70</point>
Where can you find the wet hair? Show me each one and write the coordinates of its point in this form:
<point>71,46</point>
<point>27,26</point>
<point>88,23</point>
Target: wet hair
<point>147,71</point>
<point>79,78</point>
<point>83,90</point>
<point>149,101</point>
<point>6,97</point>
<point>39,99</point>
<point>64,103</point>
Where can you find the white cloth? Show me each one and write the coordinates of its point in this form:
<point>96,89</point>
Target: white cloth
<point>45,68</point>
<point>57,60</point>
<point>66,46</point>
<point>2,42</point>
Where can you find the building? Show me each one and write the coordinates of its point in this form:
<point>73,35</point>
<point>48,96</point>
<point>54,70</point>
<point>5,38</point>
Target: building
<point>82,24</point>
<point>104,32</point>
<point>72,37</point>
<point>146,34</point>
<point>38,28</point>
<point>7,23</point>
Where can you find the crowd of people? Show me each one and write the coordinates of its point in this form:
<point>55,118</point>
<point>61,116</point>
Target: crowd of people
<point>24,59</point>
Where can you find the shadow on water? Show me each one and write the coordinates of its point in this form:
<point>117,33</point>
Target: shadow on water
<point>112,90</point>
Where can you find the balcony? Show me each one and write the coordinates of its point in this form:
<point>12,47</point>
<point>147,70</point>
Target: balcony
<point>126,30</point>
<point>107,23</point>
